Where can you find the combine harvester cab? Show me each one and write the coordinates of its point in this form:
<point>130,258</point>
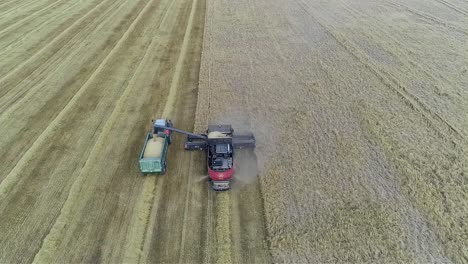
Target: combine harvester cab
<point>219,145</point>
<point>154,152</point>
<point>220,156</point>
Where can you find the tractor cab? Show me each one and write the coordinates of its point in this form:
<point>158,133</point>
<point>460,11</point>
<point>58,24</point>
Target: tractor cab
<point>158,130</point>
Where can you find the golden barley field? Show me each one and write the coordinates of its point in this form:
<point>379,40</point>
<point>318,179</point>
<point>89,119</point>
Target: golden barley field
<point>359,109</point>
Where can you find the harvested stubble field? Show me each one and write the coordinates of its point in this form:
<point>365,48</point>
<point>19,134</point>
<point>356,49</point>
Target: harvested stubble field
<point>359,109</point>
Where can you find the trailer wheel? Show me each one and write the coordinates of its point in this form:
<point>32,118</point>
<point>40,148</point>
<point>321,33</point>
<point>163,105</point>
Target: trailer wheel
<point>163,171</point>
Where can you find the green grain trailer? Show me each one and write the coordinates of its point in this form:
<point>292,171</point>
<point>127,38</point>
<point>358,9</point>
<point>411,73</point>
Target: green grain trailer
<point>153,154</point>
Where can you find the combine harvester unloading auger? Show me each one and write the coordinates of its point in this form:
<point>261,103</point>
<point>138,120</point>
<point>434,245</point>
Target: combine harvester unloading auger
<point>219,143</point>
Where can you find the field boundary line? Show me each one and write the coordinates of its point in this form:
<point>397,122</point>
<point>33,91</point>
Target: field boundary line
<point>42,139</point>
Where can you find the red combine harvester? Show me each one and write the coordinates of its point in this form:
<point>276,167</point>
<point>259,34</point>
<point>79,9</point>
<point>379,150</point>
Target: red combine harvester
<point>219,143</point>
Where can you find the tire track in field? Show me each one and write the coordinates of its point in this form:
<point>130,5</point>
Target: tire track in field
<point>27,88</point>
<point>26,68</point>
<point>31,16</point>
<point>24,39</point>
<point>428,17</point>
<point>126,36</point>
<point>68,107</point>
<point>7,3</point>
<point>132,254</point>
<point>410,65</point>
<point>12,45</point>
<point>11,20</point>
<point>17,96</point>
<point>62,169</point>
<point>453,7</point>
<point>48,132</point>
<point>431,117</point>
<point>18,25</point>
<point>49,246</point>
<point>9,115</point>
<point>14,8</point>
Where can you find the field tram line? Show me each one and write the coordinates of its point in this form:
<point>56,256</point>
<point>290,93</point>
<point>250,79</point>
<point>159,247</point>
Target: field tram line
<point>62,13</point>
<point>20,95</point>
<point>74,192</point>
<point>428,17</point>
<point>35,14</point>
<point>409,61</point>
<point>55,41</point>
<point>430,117</point>
<point>54,125</point>
<point>453,7</point>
